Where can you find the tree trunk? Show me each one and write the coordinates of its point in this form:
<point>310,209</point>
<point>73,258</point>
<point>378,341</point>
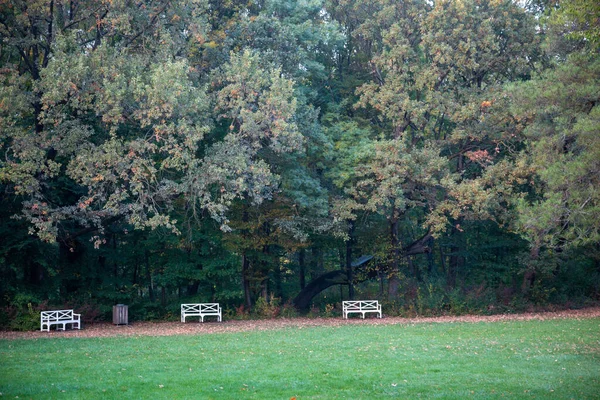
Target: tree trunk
<point>246,281</point>
<point>192,289</point>
<point>246,269</point>
<point>340,277</point>
<point>349,270</point>
<point>443,260</point>
<point>136,265</point>
<point>264,289</point>
<point>530,275</point>
<point>456,260</point>
<point>394,279</point>
<point>316,286</point>
<point>301,255</point>
<point>149,277</point>
<point>452,267</point>
<point>115,266</point>
<point>264,283</point>
<point>317,256</point>
<point>322,282</point>
<point>411,267</point>
<point>430,260</point>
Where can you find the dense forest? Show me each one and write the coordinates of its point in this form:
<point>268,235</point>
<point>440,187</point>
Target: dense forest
<point>279,156</point>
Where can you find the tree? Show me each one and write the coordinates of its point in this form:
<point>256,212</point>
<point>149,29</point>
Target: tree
<point>110,125</point>
<point>438,72</point>
<point>103,116</point>
<point>560,106</point>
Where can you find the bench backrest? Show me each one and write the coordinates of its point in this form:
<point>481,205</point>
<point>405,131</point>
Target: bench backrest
<point>361,305</point>
<point>58,315</point>
<point>200,308</point>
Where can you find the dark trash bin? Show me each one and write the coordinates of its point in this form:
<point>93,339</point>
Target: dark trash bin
<point>120,314</point>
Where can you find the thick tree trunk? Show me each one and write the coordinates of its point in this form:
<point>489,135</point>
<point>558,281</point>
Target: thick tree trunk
<point>316,286</point>
<point>419,246</point>
<point>340,277</point>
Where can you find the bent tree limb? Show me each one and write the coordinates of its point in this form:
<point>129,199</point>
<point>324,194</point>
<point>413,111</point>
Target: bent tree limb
<point>340,277</point>
<point>317,285</point>
<point>419,246</point>
<point>322,282</point>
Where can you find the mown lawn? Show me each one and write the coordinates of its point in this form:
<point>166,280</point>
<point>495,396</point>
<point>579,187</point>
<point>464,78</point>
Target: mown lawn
<point>555,359</point>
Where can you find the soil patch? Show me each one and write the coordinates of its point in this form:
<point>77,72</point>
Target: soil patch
<point>106,329</point>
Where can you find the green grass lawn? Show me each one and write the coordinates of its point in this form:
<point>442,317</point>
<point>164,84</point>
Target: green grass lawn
<point>520,359</point>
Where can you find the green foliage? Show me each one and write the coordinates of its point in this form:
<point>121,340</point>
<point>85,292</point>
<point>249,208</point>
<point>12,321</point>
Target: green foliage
<point>564,144</point>
<point>577,20</point>
<point>288,311</point>
<point>267,308</point>
<point>26,319</point>
<point>232,151</point>
<point>22,312</point>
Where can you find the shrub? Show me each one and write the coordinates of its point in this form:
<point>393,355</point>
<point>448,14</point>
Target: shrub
<point>288,310</point>
<point>147,311</point>
<point>239,312</point>
<point>456,302</point>
<point>430,299</point>
<point>26,319</point>
<point>267,308</point>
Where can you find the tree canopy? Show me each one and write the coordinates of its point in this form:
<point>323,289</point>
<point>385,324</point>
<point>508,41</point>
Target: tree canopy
<point>155,151</point>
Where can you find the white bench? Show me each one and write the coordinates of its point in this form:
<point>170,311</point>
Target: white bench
<point>200,310</point>
<point>361,306</point>
<point>59,317</point>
